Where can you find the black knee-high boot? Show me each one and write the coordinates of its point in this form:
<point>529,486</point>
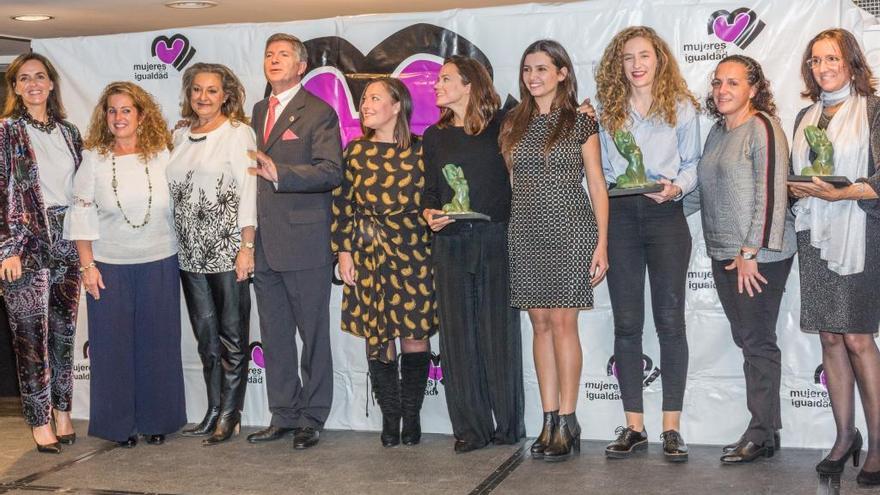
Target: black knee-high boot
<point>386,387</point>
<point>413,379</point>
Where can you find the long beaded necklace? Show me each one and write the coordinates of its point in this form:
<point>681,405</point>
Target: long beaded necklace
<point>115,183</point>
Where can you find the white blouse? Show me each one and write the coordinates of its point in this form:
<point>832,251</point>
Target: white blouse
<point>213,195</point>
<point>96,216</point>
<point>55,165</point>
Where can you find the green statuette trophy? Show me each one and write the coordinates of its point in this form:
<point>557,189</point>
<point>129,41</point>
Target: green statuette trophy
<point>823,165</point>
<point>634,181</point>
<point>460,206</point>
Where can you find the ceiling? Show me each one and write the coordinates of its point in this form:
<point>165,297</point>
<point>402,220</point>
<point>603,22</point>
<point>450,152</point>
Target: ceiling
<point>94,17</point>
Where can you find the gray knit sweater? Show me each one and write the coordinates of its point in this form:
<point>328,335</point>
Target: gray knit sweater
<point>743,193</point>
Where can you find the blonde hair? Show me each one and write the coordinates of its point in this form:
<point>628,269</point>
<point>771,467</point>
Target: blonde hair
<point>152,132</point>
<point>613,89</point>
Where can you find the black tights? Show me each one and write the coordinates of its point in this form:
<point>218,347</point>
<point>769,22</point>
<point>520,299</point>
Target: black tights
<point>851,359</point>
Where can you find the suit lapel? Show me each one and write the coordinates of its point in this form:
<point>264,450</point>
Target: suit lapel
<point>291,112</point>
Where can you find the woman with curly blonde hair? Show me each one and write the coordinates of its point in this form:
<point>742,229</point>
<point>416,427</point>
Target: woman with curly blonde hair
<point>641,91</point>
<point>121,222</point>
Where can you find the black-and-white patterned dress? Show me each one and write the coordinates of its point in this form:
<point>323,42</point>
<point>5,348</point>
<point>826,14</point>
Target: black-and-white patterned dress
<point>553,231</point>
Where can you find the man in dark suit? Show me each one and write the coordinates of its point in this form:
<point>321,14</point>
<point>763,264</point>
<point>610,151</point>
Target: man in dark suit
<point>299,163</point>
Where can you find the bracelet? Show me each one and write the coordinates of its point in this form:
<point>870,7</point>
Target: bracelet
<point>86,267</point>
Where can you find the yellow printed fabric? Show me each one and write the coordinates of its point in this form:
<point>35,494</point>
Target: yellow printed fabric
<point>376,219</point>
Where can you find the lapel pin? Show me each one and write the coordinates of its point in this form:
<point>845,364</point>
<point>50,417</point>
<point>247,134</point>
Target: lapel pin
<point>292,118</point>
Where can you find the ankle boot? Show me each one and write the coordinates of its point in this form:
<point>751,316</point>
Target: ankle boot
<point>551,419</point>
<point>386,389</point>
<point>207,425</point>
<point>565,440</point>
<point>413,379</point>
<point>229,424</point>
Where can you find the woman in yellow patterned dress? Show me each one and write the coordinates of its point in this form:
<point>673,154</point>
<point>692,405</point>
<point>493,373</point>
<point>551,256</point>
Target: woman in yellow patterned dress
<point>384,256</point>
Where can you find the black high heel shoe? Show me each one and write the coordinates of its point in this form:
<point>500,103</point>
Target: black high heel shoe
<point>566,439</point>
<point>227,426</point>
<point>828,466</point>
<point>206,426</point>
<point>52,448</point>
<point>67,439</point>
<point>49,448</point>
<point>551,419</point>
<point>868,478</point>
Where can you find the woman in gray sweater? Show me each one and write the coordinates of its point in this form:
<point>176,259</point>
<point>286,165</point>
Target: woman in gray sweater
<point>749,233</point>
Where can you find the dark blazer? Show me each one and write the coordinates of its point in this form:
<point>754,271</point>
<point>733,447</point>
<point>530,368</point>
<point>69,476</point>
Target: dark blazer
<point>294,221</point>
<point>24,230</point>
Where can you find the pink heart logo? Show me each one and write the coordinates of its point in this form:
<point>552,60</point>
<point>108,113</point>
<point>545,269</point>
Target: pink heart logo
<point>257,356</point>
<point>169,54</point>
<point>729,32</point>
<point>174,51</point>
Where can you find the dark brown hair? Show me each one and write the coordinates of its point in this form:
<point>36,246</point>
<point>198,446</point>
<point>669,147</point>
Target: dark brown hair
<point>763,99</point>
<point>399,93</point>
<point>14,106</point>
<point>233,92</point>
<point>565,100</point>
<point>483,101</point>
<point>862,77</point>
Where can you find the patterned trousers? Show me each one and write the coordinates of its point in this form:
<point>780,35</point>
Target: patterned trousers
<point>42,307</point>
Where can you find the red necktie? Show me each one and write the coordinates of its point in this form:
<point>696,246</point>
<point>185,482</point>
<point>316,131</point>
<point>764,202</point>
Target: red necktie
<point>270,120</point>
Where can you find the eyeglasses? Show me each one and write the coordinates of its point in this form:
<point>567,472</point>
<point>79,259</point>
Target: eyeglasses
<point>830,60</point>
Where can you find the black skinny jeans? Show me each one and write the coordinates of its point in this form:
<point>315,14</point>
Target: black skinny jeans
<point>642,233</point>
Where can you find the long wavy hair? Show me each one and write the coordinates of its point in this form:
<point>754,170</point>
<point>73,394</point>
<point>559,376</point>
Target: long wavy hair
<point>14,105</point>
<point>483,100</point>
<point>399,94</point>
<point>763,99</point>
<point>233,92</point>
<point>613,89</point>
<point>565,100</point>
<point>152,131</point>
<point>863,82</point>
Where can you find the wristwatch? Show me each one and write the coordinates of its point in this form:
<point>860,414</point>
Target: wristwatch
<point>747,255</point>
<point>248,245</point>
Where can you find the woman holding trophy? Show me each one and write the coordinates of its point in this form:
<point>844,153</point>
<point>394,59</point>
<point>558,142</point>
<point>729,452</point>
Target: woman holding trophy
<point>839,237</point>
<point>644,99</point>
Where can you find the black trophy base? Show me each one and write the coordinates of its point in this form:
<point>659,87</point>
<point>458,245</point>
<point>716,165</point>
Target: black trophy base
<point>630,191</point>
<point>835,180</point>
<point>468,215</point>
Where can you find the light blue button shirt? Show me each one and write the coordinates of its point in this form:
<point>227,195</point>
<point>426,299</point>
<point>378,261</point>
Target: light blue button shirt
<point>668,153</point>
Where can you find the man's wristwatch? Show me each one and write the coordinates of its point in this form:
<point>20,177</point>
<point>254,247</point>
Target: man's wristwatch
<point>248,245</point>
<point>747,255</point>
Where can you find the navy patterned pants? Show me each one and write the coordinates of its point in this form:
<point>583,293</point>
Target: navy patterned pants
<point>42,307</point>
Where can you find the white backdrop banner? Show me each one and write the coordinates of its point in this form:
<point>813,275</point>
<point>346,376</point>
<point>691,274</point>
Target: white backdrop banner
<point>412,47</point>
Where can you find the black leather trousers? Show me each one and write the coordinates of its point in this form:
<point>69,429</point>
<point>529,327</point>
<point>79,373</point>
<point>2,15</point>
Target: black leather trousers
<point>219,311</point>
